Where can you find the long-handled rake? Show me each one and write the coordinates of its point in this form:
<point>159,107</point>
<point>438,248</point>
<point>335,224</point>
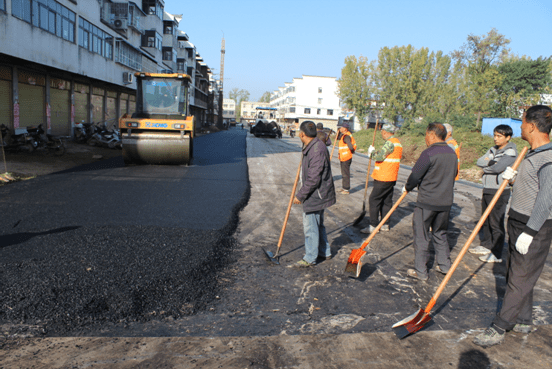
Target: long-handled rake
<point>335,143</point>
<point>354,264</point>
<point>275,257</point>
<point>362,215</point>
<point>416,321</point>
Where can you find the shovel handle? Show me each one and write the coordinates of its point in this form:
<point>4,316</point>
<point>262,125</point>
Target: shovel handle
<point>369,165</point>
<point>378,227</point>
<point>335,143</point>
<point>292,194</point>
<point>473,234</point>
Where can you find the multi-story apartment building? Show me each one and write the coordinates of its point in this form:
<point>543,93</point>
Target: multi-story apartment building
<point>248,110</point>
<point>228,109</point>
<point>67,61</point>
<point>310,98</point>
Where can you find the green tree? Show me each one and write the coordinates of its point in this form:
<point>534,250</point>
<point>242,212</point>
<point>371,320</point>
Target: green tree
<point>266,97</point>
<point>238,96</point>
<point>481,55</point>
<point>353,86</point>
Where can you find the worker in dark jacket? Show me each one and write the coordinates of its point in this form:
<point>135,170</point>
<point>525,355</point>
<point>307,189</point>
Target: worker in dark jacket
<point>433,174</point>
<point>316,194</point>
<point>322,135</point>
<point>347,147</point>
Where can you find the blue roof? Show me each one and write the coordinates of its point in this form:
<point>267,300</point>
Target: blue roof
<point>266,108</point>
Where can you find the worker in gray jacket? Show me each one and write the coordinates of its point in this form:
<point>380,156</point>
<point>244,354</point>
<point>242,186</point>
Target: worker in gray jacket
<point>529,228</point>
<point>494,163</point>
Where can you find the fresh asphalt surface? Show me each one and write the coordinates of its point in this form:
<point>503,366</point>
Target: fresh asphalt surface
<point>108,243</point>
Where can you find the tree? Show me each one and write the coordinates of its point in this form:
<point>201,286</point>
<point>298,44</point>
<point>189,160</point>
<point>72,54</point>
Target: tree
<point>480,55</point>
<point>353,86</point>
<point>238,96</point>
<point>266,97</point>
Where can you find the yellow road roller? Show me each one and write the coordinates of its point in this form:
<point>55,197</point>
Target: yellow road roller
<point>159,132</point>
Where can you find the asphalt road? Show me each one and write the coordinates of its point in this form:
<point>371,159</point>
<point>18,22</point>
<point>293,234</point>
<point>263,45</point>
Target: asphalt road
<point>239,309</point>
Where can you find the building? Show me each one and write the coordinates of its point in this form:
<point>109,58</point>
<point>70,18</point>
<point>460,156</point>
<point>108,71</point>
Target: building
<point>67,61</point>
<point>248,110</point>
<point>229,111</point>
<point>310,98</point>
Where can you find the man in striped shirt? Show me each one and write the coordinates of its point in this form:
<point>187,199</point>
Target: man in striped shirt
<point>529,228</point>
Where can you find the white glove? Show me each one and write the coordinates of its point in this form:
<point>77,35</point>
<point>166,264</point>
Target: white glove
<point>509,174</point>
<point>404,189</point>
<point>370,150</point>
<point>523,242</point>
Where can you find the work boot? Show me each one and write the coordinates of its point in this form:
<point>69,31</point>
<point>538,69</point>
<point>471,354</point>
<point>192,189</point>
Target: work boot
<point>522,328</point>
<point>416,275</point>
<point>385,227</point>
<point>303,263</point>
<point>490,337</point>
<point>368,230</point>
<point>491,258</point>
<point>345,192</point>
<point>438,269</point>
<point>479,250</point>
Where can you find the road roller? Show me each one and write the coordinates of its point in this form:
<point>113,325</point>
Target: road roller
<point>159,132</point>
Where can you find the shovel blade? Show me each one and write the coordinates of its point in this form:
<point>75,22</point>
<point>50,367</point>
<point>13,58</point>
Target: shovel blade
<point>360,218</point>
<point>354,264</point>
<point>411,324</point>
<point>273,258</point>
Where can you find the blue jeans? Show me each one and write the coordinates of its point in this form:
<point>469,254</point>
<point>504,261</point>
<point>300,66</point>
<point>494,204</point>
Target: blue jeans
<point>315,236</point>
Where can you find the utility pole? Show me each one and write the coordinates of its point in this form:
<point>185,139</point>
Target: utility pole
<point>222,68</point>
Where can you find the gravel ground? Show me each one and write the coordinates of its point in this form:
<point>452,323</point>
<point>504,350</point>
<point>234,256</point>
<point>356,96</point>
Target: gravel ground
<point>57,280</point>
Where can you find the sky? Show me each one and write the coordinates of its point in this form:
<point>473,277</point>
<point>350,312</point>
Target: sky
<point>268,43</point>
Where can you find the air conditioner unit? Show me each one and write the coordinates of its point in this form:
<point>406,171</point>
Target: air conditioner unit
<point>128,77</point>
<point>120,24</point>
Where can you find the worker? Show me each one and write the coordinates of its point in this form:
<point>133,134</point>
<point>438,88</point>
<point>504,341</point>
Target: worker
<point>454,145</point>
<point>494,163</point>
<point>316,194</point>
<point>347,147</point>
<point>385,174</point>
<point>434,174</point>
<point>322,135</point>
<point>529,228</point>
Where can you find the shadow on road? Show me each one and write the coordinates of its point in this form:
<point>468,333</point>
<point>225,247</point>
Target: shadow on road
<point>18,238</point>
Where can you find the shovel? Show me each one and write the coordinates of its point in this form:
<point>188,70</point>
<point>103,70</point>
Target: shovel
<point>354,264</point>
<point>275,257</point>
<point>362,215</point>
<point>415,322</point>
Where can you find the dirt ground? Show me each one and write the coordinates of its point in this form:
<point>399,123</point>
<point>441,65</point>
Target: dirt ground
<point>24,165</point>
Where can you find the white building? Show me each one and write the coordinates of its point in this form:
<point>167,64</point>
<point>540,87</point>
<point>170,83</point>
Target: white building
<point>228,109</point>
<point>248,110</point>
<point>310,98</point>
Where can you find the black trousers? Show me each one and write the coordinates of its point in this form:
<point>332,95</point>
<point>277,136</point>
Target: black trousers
<point>493,232</point>
<point>345,171</point>
<point>380,201</point>
<point>424,219</point>
<point>523,271</point>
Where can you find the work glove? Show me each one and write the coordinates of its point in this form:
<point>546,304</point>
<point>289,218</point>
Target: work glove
<point>370,150</point>
<point>523,242</point>
<point>509,174</point>
<point>404,189</point>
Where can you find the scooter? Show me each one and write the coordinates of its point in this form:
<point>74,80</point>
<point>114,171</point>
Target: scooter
<point>16,142</point>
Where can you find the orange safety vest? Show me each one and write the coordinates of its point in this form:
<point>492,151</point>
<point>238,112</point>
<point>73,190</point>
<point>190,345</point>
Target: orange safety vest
<point>387,170</point>
<point>457,150</point>
<point>344,152</point>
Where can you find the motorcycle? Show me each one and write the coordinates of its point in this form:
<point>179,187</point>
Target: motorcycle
<point>40,140</point>
<point>103,136</point>
<point>16,142</point>
<point>83,131</point>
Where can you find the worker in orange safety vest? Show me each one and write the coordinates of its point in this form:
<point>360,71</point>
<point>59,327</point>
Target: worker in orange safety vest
<point>454,145</point>
<point>347,146</point>
<point>385,174</point>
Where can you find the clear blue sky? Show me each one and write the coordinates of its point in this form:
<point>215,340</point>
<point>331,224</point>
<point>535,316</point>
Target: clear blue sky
<point>269,43</point>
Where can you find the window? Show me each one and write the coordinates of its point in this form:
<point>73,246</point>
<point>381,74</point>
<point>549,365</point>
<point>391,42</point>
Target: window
<point>307,110</point>
<point>153,7</point>
<point>168,30</point>
<point>319,100</point>
<point>329,112</point>
<point>22,9</point>
<point>94,39</point>
<point>180,65</point>
<point>318,111</point>
<point>320,90</point>
<point>2,5</point>
<point>292,110</point>
<point>127,55</point>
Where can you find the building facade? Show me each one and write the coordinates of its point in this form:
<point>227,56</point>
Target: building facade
<point>65,61</point>
<point>310,98</point>
<point>248,110</point>
<point>229,106</point>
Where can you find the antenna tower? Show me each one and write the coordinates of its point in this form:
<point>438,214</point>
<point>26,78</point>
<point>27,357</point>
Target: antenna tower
<point>222,62</point>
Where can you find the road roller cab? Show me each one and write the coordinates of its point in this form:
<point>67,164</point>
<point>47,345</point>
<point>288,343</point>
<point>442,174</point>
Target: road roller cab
<point>160,131</point>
